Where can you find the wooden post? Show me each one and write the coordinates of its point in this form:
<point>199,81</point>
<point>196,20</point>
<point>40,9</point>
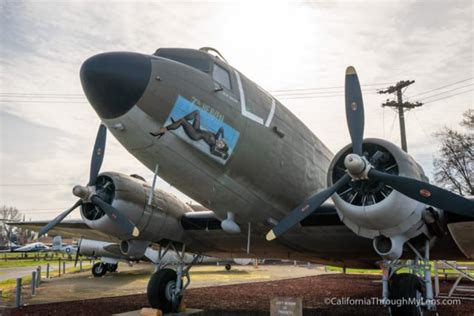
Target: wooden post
<point>47,271</point>
<point>59,267</point>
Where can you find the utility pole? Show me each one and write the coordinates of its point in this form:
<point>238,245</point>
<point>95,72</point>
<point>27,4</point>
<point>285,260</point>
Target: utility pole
<point>400,106</point>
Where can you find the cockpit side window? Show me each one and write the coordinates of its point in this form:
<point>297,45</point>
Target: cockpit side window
<point>221,76</point>
<point>195,59</point>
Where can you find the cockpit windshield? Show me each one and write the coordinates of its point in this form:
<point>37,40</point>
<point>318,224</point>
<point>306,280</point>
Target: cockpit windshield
<point>194,58</point>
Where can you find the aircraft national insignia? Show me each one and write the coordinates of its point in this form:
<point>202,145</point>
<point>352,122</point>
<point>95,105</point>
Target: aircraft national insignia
<point>354,106</point>
<point>425,193</point>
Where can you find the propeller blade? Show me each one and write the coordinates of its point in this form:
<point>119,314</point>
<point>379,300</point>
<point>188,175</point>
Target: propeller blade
<point>354,110</point>
<point>123,222</point>
<point>58,219</point>
<point>98,154</point>
<point>426,193</point>
<point>305,209</point>
<point>78,251</point>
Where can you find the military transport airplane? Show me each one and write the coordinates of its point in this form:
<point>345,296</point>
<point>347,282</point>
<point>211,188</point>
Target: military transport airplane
<point>258,171</point>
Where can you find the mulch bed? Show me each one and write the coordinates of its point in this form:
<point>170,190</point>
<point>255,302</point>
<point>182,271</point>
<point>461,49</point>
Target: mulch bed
<point>251,299</point>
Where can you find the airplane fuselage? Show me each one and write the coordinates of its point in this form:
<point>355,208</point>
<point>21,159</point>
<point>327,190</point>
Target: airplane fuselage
<point>266,174</point>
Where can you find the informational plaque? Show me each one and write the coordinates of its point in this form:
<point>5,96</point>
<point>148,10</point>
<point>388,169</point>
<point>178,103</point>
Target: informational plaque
<point>286,306</point>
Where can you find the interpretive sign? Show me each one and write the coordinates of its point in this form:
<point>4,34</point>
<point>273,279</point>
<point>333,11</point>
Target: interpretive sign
<point>286,306</point>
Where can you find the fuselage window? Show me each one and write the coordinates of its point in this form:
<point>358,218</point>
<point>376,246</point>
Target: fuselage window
<point>221,76</point>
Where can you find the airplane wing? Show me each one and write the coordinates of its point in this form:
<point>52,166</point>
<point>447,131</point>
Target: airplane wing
<point>70,228</point>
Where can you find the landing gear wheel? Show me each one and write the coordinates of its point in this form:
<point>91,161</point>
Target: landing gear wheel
<point>99,269</point>
<point>112,267</point>
<point>403,288</point>
<point>228,267</point>
<point>160,291</point>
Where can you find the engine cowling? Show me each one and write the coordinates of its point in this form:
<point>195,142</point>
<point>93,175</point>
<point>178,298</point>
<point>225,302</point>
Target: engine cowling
<point>372,209</point>
<point>130,195</point>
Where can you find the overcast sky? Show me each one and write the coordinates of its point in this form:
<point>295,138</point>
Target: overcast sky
<point>46,141</point>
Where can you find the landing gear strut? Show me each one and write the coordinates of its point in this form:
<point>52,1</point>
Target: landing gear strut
<point>408,293</point>
<point>166,289</point>
<point>99,269</point>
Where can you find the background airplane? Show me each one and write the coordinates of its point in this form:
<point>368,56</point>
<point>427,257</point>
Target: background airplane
<point>59,247</point>
<point>32,247</point>
<point>219,138</point>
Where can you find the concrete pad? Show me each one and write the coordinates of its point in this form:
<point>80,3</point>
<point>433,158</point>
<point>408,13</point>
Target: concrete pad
<point>189,311</point>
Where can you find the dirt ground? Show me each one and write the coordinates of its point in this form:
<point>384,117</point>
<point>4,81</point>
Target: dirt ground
<point>253,298</point>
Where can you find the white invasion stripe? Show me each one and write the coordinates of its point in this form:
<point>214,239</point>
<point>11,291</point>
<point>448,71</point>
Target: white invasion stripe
<point>270,116</point>
<point>243,106</point>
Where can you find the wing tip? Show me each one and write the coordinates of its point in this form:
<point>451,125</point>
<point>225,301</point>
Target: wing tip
<point>350,71</point>
<point>271,235</point>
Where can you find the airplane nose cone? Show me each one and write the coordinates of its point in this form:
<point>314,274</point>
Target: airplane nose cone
<point>114,82</point>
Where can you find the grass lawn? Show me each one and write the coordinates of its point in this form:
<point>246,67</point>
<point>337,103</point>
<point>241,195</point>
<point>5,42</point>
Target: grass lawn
<point>8,286</point>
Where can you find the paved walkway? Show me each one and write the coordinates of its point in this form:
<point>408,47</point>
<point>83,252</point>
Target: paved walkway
<point>18,272</point>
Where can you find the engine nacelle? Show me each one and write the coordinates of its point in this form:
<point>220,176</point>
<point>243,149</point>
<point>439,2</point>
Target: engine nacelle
<point>97,249</point>
<point>134,248</point>
<point>372,209</point>
<point>129,195</point>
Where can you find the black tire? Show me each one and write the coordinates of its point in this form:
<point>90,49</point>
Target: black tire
<point>158,290</point>
<point>228,267</point>
<point>112,267</point>
<point>403,287</point>
<point>99,269</point>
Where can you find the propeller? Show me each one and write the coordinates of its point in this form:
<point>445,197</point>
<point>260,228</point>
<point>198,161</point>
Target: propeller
<point>58,218</point>
<point>97,154</point>
<point>426,193</point>
<point>88,194</point>
<point>358,168</point>
<point>121,220</point>
<point>78,252</point>
<point>305,209</point>
<point>354,110</point>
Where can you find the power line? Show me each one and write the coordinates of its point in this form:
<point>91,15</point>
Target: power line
<point>439,88</point>
<point>437,94</point>
<point>41,101</point>
<point>320,93</point>
<point>42,94</point>
<point>284,94</point>
<point>325,88</point>
<point>34,184</point>
<point>449,96</point>
<point>52,209</point>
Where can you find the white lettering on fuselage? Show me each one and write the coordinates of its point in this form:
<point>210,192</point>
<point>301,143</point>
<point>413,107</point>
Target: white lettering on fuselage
<point>209,109</point>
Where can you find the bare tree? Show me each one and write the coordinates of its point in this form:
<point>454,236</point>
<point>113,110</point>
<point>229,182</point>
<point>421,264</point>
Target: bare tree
<point>7,214</point>
<point>454,167</point>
